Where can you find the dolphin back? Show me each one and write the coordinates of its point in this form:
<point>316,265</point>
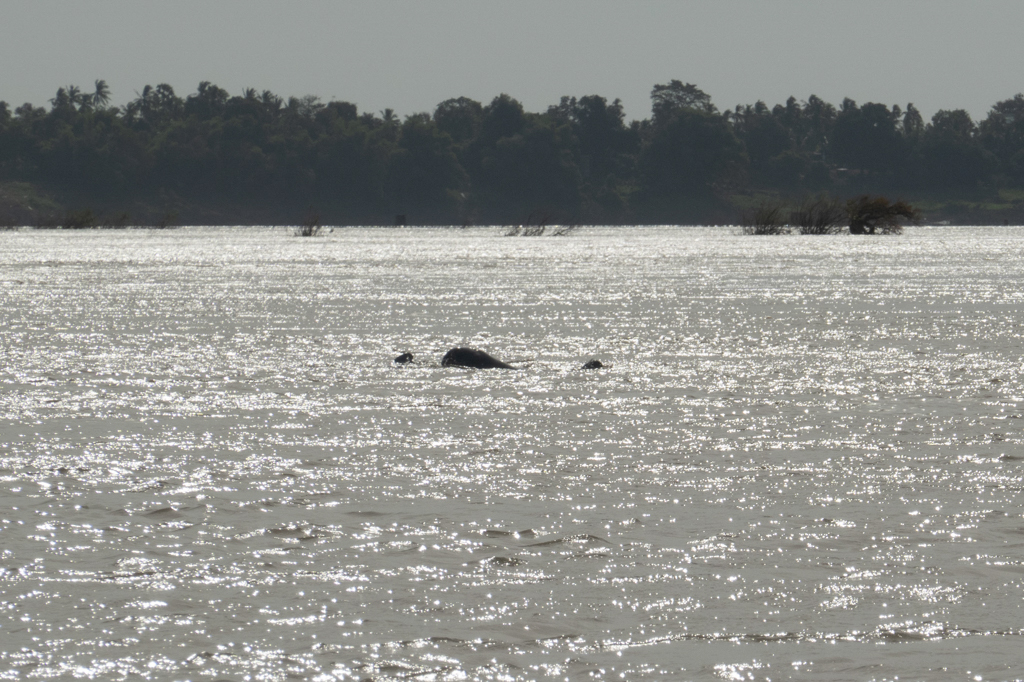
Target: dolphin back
<point>471,357</point>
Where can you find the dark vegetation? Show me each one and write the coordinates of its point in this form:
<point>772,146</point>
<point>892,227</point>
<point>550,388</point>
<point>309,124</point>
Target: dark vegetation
<point>869,215</point>
<point>255,158</point>
<point>543,222</point>
<point>820,215</point>
<point>310,226</point>
<point>829,215</point>
<point>766,218</point>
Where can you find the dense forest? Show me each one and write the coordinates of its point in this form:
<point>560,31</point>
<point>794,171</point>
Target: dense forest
<point>256,158</point>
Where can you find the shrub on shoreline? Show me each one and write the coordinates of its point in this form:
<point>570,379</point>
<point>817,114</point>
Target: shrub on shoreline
<point>822,215</point>
<point>766,219</point>
<point>310,226</point>
<point>830,215</point>
<point>878,215</point>
<point>539,222</point>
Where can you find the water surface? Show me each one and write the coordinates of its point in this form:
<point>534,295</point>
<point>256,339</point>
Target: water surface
<point>803,461</point>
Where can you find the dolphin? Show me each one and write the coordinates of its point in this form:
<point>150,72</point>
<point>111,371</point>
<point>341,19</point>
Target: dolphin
<point>470,357</point>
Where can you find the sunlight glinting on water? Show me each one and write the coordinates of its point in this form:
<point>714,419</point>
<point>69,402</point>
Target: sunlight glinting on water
<point>802,458</point>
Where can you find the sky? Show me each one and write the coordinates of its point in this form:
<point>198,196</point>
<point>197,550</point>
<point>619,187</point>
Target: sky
<point>410,55</point>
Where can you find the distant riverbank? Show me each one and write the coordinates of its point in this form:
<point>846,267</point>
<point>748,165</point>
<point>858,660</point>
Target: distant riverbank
<point>28,205</point>
<point>256,158</point>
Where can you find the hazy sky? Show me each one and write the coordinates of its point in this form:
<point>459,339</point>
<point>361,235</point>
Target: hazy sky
<point>410,55</point>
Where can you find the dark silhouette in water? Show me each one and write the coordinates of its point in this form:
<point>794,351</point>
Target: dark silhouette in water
<point>403,359</point>
<point>470,357</point>
<point>593,364</point>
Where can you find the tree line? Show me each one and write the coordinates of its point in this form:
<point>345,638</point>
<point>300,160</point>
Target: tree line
<point>256,157</point>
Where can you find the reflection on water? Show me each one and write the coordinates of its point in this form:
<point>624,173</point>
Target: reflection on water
<point>803,458</point>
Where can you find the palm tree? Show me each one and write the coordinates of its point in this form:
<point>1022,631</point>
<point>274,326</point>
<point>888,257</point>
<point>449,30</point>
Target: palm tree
<point>60,100</point>
<point>271,102</point>
<point>141,105</point>
<point>101,97</point>
<point>76,97</point>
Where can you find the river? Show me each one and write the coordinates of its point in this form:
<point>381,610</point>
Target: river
<point>802,460</point>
